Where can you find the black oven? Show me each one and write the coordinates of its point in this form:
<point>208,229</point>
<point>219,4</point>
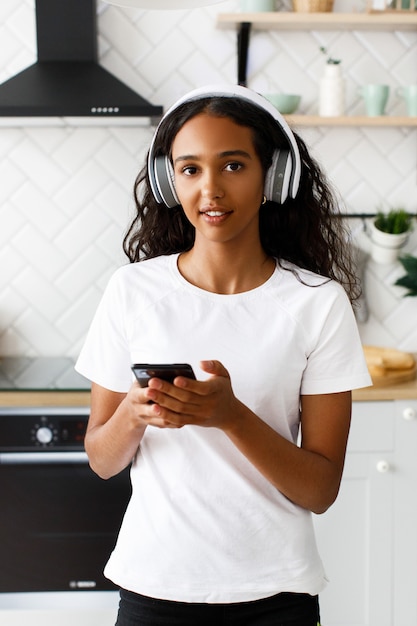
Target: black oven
<point>58,520</point>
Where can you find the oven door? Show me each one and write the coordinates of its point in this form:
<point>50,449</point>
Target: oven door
<point>58,522</point>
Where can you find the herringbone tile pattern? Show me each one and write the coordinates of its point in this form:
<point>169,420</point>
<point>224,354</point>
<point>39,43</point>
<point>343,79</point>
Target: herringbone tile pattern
<point>65,192</point>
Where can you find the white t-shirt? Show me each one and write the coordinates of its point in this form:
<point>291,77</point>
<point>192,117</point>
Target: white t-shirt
<point>203,525</point>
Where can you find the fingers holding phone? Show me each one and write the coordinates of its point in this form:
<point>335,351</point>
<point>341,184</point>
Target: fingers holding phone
<point>209,403</point>
<point>172,405</point>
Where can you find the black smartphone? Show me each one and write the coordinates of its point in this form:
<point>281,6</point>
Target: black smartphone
<point>145,371</point>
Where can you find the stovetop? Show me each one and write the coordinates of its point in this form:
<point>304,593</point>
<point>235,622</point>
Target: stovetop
<point>40,374</point>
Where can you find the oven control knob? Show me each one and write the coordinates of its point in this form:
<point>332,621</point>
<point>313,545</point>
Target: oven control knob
<point>44,435</point>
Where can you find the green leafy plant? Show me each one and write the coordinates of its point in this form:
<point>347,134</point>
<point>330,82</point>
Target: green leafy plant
<point>396,221</point>
<point>409,280</point>
<point>330,59</point>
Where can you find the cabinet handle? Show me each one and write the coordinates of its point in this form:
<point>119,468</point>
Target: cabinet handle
<point>383,467</point>
<point>409,414</point>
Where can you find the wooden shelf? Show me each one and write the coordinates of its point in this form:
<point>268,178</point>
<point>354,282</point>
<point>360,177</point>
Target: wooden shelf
<point>279,20</point>
<point>351,120</point>
<point>290,20</point>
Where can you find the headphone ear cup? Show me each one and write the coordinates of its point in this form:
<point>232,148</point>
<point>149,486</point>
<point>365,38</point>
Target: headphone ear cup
<point>164,180</point>
<point>277,180</point>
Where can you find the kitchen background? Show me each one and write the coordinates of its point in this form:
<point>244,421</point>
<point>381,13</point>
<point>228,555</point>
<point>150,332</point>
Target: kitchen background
<point>66,190</point>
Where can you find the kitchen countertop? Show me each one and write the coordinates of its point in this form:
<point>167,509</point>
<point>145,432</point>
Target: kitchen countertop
<point>44,398</point>
<point>402,391</point>
<point>42,381</point>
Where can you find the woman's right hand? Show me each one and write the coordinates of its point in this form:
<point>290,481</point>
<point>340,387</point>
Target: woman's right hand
<point>115,428</point>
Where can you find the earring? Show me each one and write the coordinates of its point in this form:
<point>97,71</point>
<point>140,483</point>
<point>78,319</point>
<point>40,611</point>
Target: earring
<point>264,200</point>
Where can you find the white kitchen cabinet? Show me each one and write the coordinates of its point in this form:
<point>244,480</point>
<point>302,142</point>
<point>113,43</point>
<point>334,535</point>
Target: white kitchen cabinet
<point>368,538</point>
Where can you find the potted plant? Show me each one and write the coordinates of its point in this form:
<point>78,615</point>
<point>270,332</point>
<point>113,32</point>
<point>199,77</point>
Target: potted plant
<point>409,280</point>
<point>396,221</point>
<point>330,60</point>
<point>389,233</point>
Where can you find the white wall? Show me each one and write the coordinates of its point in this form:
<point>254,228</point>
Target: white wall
<point>65,192</point>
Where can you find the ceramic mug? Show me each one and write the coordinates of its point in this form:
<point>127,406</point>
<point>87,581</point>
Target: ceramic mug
<point>253,6</point>
<point>284,102</point>
<point>409,94</point>
<point>376,97</point>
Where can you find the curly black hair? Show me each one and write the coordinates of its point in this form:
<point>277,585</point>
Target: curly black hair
<point>306,231</point>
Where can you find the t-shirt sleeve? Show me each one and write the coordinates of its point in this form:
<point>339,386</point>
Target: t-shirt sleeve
<point>105,356</point>
<point>336,362</point>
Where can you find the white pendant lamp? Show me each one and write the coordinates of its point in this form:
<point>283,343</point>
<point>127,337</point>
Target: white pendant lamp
<point>164,4</point>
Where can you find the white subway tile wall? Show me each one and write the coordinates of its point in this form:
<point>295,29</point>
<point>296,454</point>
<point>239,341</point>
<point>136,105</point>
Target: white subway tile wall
<point>66,192</point>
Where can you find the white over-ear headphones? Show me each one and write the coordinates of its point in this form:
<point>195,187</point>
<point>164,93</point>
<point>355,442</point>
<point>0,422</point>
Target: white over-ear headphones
<point>283,177</point>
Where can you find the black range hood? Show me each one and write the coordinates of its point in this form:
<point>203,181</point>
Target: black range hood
<point>67,80</point>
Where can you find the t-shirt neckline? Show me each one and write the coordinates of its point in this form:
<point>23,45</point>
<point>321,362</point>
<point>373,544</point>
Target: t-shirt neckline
<point>251,293</point>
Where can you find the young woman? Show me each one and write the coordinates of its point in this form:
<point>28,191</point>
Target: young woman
<point>244,274</point>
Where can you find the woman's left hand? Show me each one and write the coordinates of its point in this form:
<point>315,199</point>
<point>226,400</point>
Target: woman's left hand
<point>209,403</point>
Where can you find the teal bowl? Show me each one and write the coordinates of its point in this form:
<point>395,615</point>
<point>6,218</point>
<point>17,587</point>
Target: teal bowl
<point>285,103</point>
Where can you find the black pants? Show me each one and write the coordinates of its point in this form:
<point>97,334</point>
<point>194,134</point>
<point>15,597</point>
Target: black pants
<point>284,609</point>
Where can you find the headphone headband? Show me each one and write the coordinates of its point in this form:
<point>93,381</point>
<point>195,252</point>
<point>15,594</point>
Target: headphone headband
<point>163,188</point>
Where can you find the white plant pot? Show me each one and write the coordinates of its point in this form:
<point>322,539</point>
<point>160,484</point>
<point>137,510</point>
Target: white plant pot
<point>385,247</point>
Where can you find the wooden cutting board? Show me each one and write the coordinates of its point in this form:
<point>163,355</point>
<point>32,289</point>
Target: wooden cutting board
<point>393,377</point>
<point>389,366</point>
